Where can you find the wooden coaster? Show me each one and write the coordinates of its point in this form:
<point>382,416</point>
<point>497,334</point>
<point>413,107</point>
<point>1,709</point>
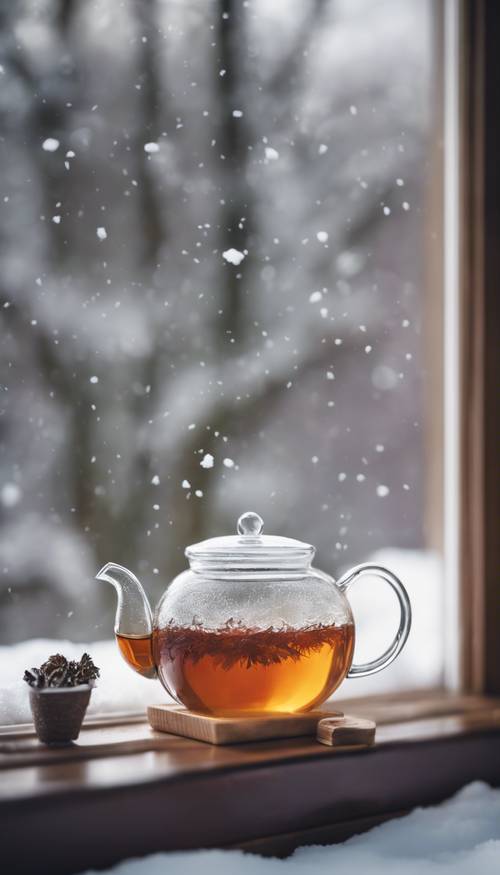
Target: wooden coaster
<point>339,731</point>
<point>234,730</point>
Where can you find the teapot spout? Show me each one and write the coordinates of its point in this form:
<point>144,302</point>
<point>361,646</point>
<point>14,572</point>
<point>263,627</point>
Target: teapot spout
<point>133,620</point>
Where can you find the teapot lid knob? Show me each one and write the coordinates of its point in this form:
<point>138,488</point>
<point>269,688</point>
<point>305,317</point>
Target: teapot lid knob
<point>250,523</point>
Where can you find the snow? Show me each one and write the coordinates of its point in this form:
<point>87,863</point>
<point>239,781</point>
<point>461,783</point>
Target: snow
<point>322,236</point>
<point>458,837</point>
<point>94,379</point>
<point>376,615</point>
<point>10,494</point>
<point>315,297</point>
<point>271,154</point>
<point>186,484</point>
<point>50,144</point>
<point>382,491</point>
<point>237,113</point>
<point>207,461</point>
<point>233,256</point>
<point>118,689</point>
<point>101,233</point>
<point>384,378</point>
<point>272,394</point>
<point>228,463</point>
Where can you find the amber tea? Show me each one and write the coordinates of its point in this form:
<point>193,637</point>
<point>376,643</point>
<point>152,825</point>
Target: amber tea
<point>235,670</point>
<point>136,651</point>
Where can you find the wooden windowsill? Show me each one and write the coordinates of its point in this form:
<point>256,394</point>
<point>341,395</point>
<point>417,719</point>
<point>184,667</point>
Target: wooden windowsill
<point>157,792</point>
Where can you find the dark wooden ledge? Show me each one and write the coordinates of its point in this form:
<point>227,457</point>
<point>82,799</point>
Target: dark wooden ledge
<point>269,796</point>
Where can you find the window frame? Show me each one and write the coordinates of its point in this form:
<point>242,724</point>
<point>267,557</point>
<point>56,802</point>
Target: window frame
<point>479,553</point>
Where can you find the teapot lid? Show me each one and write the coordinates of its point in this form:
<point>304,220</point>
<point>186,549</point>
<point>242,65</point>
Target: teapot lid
<point>250,550</point>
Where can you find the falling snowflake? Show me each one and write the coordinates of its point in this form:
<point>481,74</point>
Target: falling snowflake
<point>315,297</point>
<point>382,490</point>
<point>10,494</point>
<point>151,148</point>
<point>101,233</point>
<point>272,154</point>
<point>322,236</point>
<point>50,145</point>
<point>94,379</point>
<point>186,484</point>
<point>233,256</point>
<point>228,463</point>
<point>207,461</point>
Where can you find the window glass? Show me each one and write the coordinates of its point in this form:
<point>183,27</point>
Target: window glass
<point>221,228</point>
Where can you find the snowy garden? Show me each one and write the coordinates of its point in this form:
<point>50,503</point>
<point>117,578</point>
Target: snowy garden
<point>218,300</point>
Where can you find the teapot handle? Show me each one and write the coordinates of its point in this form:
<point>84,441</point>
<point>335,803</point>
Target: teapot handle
<point>404,623</point>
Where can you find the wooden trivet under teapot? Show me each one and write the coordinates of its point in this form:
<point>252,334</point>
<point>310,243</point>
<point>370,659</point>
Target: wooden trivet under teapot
<point>330,727</point>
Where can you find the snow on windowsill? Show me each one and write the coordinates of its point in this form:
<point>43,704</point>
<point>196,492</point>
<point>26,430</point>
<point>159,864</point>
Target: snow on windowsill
<point>458,837</point>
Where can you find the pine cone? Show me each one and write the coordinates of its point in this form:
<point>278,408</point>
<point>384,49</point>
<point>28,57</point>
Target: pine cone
<point>55,670</point>
<point>87,671</point>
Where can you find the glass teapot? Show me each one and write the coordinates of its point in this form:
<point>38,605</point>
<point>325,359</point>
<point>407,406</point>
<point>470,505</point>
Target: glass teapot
<point>251,627</point>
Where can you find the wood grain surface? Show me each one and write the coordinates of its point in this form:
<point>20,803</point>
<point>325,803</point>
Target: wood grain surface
<point>339,731</point>
<point>268,795</point>
<point>234,730</point>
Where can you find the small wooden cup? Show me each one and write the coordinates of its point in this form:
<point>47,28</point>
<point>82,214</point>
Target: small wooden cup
<point>58,712</point>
